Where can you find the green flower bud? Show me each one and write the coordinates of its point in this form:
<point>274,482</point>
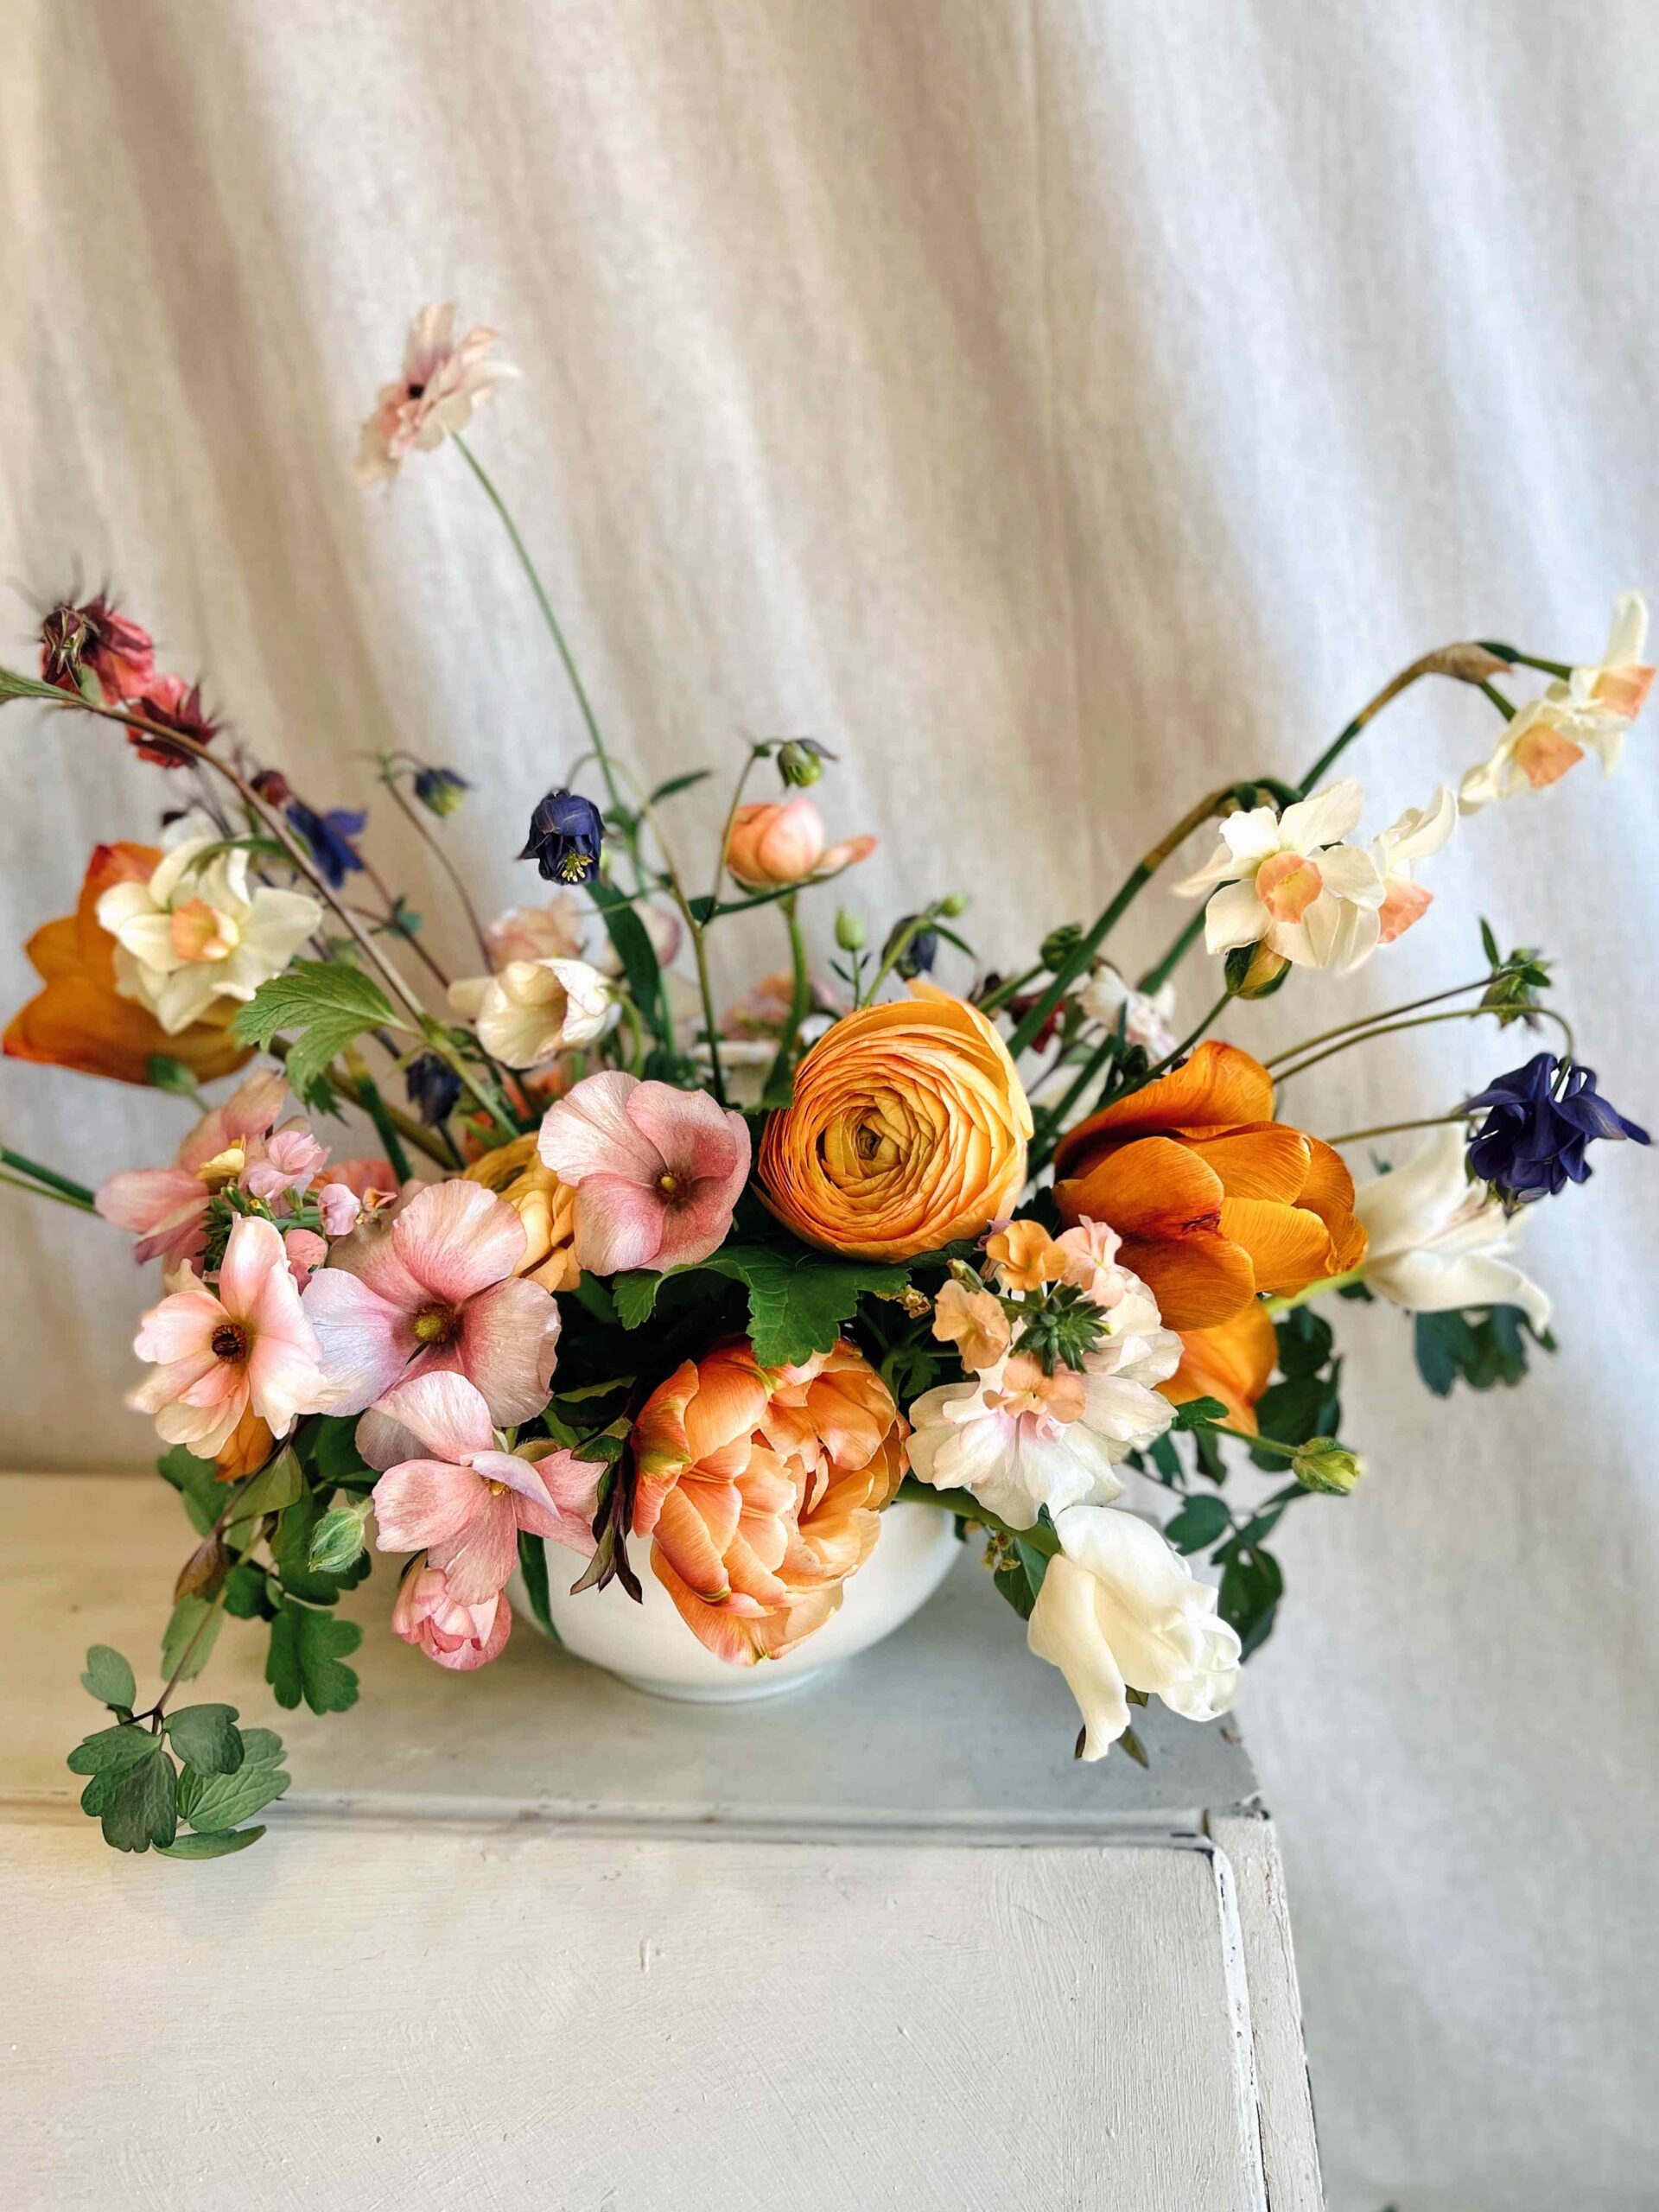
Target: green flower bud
<point>951,904</point>
<point>1322,1463</point>
<point>1250,971</point>
<point>1059,946</point>
<point>338,1539</point>
<point>800,762</point>
<point>850,933</point>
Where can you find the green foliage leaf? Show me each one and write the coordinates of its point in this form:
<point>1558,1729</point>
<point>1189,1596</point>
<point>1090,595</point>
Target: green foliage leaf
<point>244,1598</point>
<point>111,1751</point>
<point>274,1487</point>
<point>168,1074</point>
<point>636,953</point>
<point>197,1483</point>
<point>1304,1342</point>
<point>305,1659</point>
<point>1201,1522</point>
<point>532,1565</point>
<point>323,1005</point>
<point>207,1737</point>
<point>797,1299</point>
<point>1020,1578</point>
<point>217,1843</point>
<point>1252,1584</point>
<point>109,1678</point>
<point>142,1809</point>
<point>193,1629</point>
<point>330,1447</point>
<point>675,784</point>
<point>220,1801</point>
<point>1198,1413</point>
<point>1484,1349</point>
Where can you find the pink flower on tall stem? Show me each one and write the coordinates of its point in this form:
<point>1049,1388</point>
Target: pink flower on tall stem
<point>244,1345</point>
<point>433,1288</point>
<point>779,842</point>
<point>167,1207</point>
<point>455,1636</point>
<point>656,1170</point>
<point>443,380</point>
<point>467,1502</point>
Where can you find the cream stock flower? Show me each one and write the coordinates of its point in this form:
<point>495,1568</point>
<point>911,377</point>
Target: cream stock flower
<point>535,1008</point>
<point>1120,1610</point>
<point>1288,881</point>
<point>198,931</point>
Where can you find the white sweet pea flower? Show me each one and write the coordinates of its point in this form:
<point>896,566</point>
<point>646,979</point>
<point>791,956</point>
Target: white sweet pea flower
<point>1287,881</point>
<point>199,932</point>
<point>1592,712</point>
<point>1437,1241</point>
<point>1019,1439</point>
<point>1417,835</point>
<point>1106,995</point>
<point>1119,1610</point>
<point>535,1008</point>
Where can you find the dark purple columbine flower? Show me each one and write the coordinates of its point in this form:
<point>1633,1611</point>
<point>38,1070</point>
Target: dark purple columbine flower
<point>917,955</point>
<point>440,790</point>
<point>328,837</point>
<point>433,1086</point>
<point>566,832</point>
<point>1539,1120</point>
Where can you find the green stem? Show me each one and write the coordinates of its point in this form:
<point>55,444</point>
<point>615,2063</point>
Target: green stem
<point>1388,1014</point>
<point>435,845</point>
<point>1010,989</point>
<point>25,1166</point>
<point>1388,1029</point>
<point>700,954</point>
<point>799,999</point>
<point>1558,669</point>
<point>44,1191</point>
<point>1391,1128</point>
<point>1499,701</point>
<point>588,717</point>
<point>368,1096</point>
<point>1285,1304</point>
<point>1243,1436</point>
<point>967,1507</point>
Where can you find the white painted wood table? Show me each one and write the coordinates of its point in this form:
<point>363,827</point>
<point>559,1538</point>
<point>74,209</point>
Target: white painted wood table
<point>528,1938</point>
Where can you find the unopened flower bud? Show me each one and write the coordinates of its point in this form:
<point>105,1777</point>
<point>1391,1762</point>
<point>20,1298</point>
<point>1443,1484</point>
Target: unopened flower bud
<point>338,1539</point>
<point>1322,1463</point>
<point>439,790</point>
<point>850,933</point>
<point>1058,947</point>
<point>1252,971</point>
<point>912,949</point>
<point>952,903</point>
<point>800,762</point>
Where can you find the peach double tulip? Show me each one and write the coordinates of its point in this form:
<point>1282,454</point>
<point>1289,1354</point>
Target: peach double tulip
<point>1233,1362</point>
<point>761,1490</point>
<point>81,1020</point>
<point>908,1130</point>
<point>781,842</point>
<point>1216,1201</point>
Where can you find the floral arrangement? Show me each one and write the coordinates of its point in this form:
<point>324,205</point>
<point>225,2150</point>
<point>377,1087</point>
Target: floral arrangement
<point>698,1293</point>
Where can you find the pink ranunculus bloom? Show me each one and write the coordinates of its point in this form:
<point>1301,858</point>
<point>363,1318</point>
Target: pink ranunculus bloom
<point>456,1636</point>
<point>656,1170</point>
<point>432,1287</point>
<point>167,1207</point>
<point>443,380</point>
<point>467,1502</point>
<point>244,1345</point>
<point>779,842</point>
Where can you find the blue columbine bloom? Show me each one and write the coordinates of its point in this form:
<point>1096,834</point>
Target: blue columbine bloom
<point>440,790</point>
<point>433,1087</point>
<point>566,832</point>
<point>918,956</point>
<point>1539,1120</point>
<point>329,838</point>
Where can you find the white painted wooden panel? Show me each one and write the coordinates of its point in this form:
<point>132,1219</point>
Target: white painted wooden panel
<point>518,2018</point>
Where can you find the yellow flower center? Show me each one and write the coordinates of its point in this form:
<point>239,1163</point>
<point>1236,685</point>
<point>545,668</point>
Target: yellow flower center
<point>435,1325</point>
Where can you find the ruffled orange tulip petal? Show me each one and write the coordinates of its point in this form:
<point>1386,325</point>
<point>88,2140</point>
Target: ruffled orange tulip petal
<point>80,1020</point>
<point>908,1130</point>
<point>761,1490</point>
<point>1233,1362</point>
<point>1259,1207</point>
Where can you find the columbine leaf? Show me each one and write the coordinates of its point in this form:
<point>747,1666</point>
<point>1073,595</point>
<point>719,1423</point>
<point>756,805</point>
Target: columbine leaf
<point>143,1807</point>
<point>197,1482</point>
<point>207,1737</point>
<point>308,1651</point>
<point>269,1491</point>
<point>675,784</point>
<point>109,1678</point>
<point>797,1300</point>
<point>220,1801</point>
<point>330,1446</point>
<point>323,1006</point>
<point>1196,1413</point>
<point>217,1843</point>
<point>1202,1520</point>
<point>1251,1586</point>
<point>111,1751</point>
<point>189,1641</point>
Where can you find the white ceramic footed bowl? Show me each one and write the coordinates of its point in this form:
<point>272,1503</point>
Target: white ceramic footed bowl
<point>650,1647</point>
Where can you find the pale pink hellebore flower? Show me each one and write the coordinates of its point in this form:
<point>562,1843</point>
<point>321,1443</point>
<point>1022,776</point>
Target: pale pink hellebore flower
<point>656,1170</point>
<point>458,1637</point>
<point>245,1345</point>
<point>434,1288</point>
<point>467,1504</point>
<point>443,380</point>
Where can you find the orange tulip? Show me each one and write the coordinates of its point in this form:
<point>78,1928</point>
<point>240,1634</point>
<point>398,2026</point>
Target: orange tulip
<point>762,1490</point>
<point>1233,1362</point>
<point>908,1130</point>
<point>1215,1200</point>
<point>81,1020</point>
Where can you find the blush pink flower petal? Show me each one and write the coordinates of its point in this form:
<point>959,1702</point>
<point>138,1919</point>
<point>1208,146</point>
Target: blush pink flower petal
<point>166,1208</point>
<point>459,1636</point>
<point>656,1172</point>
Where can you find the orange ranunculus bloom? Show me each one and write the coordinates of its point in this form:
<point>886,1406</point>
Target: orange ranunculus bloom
<point>761,1489</point>
<point>81,1020</point>
<point>1215,1200</point>
<point>908,1128</point>
<point>1233,1362</point>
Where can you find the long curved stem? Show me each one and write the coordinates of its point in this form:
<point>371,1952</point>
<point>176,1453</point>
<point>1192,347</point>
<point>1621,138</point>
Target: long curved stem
<point>21,1160</point>
<point>1387,1029</point>
<point>1369,1021</point>
<point>1391,1128</point>
<point>435,845</point>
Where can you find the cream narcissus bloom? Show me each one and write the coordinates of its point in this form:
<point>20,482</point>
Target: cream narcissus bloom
<point>1592,712</point>
<point>1437,1241</point>
<point>1288,881</point>
<point>198,931</point>
<point>1120,1610</point>
<point>1417,835</point>
<point>535,1008</point>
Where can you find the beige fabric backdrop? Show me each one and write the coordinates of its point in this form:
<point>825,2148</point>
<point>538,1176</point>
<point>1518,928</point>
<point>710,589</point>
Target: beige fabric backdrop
<point>1055,408</point>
